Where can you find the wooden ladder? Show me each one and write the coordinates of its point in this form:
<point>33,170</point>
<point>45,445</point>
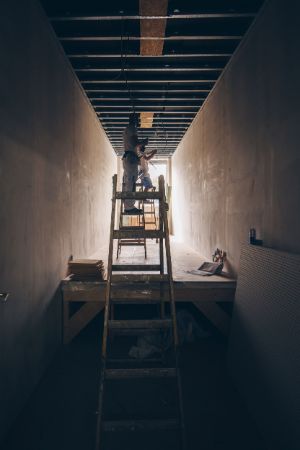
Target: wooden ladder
<point>134,288</point>
<point>149,212</point>
<point>139,225</point>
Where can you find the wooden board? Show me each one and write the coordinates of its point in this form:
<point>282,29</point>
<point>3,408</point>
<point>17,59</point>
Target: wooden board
<point>204,292</point>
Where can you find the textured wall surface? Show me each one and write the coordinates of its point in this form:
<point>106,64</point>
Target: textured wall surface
<point>238,165</point>
<point>56,166</point>
<point>264,357</point>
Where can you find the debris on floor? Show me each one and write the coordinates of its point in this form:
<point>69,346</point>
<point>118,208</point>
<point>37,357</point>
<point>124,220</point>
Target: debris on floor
<point>158,342</point>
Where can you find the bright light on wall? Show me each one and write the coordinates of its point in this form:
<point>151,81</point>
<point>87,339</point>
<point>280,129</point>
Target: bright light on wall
<point>156,170</point>
<point>177,203</point>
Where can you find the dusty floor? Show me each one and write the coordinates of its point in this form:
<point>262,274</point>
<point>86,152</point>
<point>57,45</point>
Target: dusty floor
<point>61,413</point>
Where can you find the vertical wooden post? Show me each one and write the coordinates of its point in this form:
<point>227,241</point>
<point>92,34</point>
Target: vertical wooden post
<point>172,305</point>
<point>106,315</point>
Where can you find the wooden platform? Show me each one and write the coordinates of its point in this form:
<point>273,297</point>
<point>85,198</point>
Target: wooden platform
<point>203,291</point>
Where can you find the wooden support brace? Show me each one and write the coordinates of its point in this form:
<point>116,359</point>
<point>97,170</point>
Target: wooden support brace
<point>216,315</point>
<point>74,324</point>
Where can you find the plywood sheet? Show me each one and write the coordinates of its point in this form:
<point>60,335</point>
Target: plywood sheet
<point>152,28</point>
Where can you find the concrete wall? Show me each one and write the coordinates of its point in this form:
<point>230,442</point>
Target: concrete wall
<point>238,165</point>
<point>56,166</point>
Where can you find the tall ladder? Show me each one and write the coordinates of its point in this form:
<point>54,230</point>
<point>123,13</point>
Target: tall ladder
<point>139,224</point>
<point>134,288</point>
<point>149,211</point>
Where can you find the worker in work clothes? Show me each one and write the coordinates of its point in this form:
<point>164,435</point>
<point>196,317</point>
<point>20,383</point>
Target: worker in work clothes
<point>132,154</point>
<point>144,172</point>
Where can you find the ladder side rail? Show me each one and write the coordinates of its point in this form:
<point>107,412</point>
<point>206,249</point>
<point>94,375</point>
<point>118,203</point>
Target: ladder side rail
<point>142,221</point>
<point>173,308</point>
<point>121,209</point>
<point>161,249</point>
<point>168,259</point>
<point>106,316</point>
<point>139,219</point>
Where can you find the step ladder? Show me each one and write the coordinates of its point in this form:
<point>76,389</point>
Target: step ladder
<point>135,288</point>
<point>131,223</point>
<point>149,210</point>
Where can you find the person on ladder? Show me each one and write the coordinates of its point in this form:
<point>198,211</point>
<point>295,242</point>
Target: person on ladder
<point>131,157</point>
<point>144,172</point>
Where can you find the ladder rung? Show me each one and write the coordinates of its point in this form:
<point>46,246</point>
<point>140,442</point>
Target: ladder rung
<point>125,294</point>
<point>132,228</point>
<point>139,195</point>
<point>153,372</point>
<point>135,242</point>
<point>147,234</point>
<point>135,267</point>
<point>140,425</point>
<point>135,278</point>
<point>134,331</point>
<point>133,361</point>
<point>135,301</point>
<point>154,324</point>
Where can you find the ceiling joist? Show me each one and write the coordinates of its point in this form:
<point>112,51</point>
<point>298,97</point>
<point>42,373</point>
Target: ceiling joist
<point>96,18</point>
<point>152,38</point>
<point>156,57</point>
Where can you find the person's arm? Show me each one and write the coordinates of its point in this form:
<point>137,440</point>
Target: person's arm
<point>138,152</point>
<point>149,155</point>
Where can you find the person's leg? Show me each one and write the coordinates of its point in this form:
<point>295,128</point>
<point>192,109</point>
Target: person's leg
<point>129,179</point>
<point>147,183</point>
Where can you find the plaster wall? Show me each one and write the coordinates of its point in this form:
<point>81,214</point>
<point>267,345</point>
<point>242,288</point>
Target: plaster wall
<point>238,165</point>
<point>56,166</point>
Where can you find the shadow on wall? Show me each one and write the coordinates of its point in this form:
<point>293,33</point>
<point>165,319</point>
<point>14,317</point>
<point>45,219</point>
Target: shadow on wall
<point>26,351</point>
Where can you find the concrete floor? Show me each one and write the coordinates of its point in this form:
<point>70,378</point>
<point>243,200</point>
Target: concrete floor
<point>61,412</point>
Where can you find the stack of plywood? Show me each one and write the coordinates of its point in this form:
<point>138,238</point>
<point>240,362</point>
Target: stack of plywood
<point>86,269</point>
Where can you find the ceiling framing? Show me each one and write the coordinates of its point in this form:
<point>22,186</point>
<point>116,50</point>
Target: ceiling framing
<point>160,58</point>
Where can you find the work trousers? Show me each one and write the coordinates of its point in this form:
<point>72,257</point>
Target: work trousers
<point>129,179</point>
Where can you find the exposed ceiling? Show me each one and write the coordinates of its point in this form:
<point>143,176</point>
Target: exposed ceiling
<point>155,56</point>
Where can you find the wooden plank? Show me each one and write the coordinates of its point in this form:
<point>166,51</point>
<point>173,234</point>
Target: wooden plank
<point>136,324</point>
<point>135,267</point>
<point>129,278</point>
<point>156,27</point>
<point>134,301</point>
<point>93,291</point>
<point>123,293</point>
<point>138,195</point>
<point>85,296</point>
<point>132,242</point>
<point>153,372</point>
<point>131,361</point>
<point>146,119</point>
<point>74,324</point>
<point>140,425</point>
<point>216,315</point>
<point>138,234</point>
<point>132,227</point>
<point>132,332</point>
<point>152,48</point>
<point>106,316</point>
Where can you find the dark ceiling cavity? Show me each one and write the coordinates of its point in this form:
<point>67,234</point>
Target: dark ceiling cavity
<point>102,41</point>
